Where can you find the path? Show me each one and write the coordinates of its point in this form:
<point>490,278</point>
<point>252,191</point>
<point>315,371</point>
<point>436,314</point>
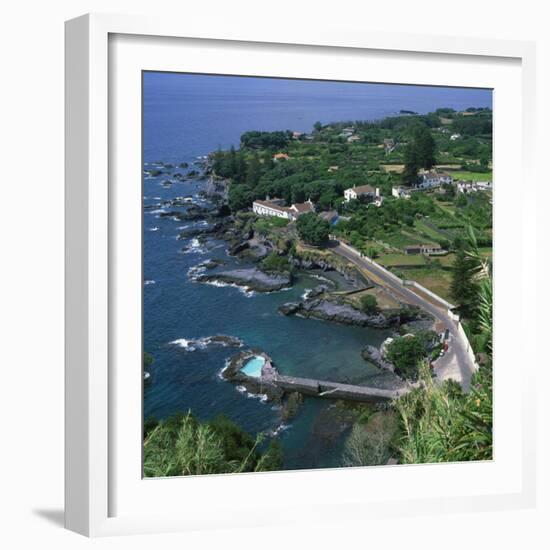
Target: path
<point>337,390</point>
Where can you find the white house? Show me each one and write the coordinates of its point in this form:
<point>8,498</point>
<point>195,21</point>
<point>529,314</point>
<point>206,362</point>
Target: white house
<point>429,249</point>
<point>270,208</point>
<point>400,192</point>
<point>361,191</point>
<point>432,178</point>
<point>299,208</point>
<point>454,137</point>
<point>273,207</point>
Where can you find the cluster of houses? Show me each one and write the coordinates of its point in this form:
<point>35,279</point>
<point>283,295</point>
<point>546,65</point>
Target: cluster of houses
<point>349,134</point>
<point>430,179</point>
<point>473,186</point>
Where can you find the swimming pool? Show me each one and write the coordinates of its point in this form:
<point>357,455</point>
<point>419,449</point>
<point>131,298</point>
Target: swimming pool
<point>253,367</point>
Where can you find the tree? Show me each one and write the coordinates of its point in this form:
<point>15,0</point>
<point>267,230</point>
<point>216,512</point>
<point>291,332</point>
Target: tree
<point>425,147</point>
<point>240,197</point>
<point>253,170</point>
<point>312,229</point>
<point>419,153</point>
<point>317,126</point>
<point>406,353</point>
<point>369,443</point>
<point>463,287</point>
<point>412,164</point>
<point>369,304</point>
<point>469,268</point>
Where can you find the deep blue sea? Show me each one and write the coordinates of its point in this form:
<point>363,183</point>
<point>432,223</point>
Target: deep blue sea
<point>185,117</point>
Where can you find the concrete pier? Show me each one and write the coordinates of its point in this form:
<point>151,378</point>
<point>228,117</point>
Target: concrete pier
<point>336,390</point>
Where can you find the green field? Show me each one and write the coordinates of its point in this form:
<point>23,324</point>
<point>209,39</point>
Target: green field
<point>394,260</point>
<point>473,176</point>
<point>430,232</point>
<point>436,280</point>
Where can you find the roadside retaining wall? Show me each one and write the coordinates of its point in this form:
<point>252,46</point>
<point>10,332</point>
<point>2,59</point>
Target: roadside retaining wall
<point>466,342</point>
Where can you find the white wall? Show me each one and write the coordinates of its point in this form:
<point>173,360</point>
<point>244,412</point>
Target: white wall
<point>32,268</point>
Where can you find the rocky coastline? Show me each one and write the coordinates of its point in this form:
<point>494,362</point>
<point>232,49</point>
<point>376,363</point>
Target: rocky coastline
<point>332,309</point>
<point>252,279</point>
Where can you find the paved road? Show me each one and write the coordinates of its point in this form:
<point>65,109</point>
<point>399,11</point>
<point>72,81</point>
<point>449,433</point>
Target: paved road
<point>456,363</point>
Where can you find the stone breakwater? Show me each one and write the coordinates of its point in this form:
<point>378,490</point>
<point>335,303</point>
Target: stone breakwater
<point>278,388</point>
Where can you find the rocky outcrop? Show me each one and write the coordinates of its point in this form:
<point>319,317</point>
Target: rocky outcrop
<point>263,385</point>
<point>197,231</point>
<point>348,271</point>
<point>291,405</point>
<point>339,312</point>
<point>250,278</point>
<point>238,248</point>
<point>192,212</point>
<point>333,311</point>
<point>202,343</point>
<point>216,188</point>
<point>375,356</point>
<point>212,263</point>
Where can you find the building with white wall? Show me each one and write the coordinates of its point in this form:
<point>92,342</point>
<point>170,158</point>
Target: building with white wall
<point>400,192</point>
<point>432,178</point>
<point>361,191</point>
<point>274,207</point>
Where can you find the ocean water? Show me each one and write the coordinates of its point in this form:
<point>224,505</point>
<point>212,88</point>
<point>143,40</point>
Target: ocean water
<point>187,116</point>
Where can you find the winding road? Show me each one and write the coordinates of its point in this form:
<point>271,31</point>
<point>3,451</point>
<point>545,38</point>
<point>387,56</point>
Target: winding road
<point>457,363</point>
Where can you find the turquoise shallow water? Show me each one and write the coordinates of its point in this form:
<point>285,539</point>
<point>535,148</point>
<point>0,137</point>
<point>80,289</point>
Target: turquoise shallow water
<point>253,367</point>
<point>186,116</point>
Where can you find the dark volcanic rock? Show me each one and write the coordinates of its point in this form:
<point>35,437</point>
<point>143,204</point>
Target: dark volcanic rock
<point>373,355</point>
<point>238,248</point>
<point>250,278</point>
<point>196,231</point>
<point>326,310</point>
<point>211,264</point>
<point>291,405</point>
<point>349,272</point>
<point>263,385</point>
<point>290,308</point>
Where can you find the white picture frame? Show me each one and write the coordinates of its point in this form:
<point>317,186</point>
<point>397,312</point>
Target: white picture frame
<point>103,52</point>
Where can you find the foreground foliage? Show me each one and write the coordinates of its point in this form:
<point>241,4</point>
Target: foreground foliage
<point>182,445</point>
<point>439,423</point>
